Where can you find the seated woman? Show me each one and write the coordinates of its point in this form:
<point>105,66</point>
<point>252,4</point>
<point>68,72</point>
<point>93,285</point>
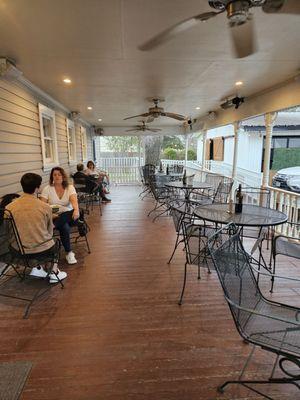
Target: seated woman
<point>91,170</point>
<point>101,177</point>
<point>59,192</point>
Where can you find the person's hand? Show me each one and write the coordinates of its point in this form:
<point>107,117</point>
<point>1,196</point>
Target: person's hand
<point>75,215</point>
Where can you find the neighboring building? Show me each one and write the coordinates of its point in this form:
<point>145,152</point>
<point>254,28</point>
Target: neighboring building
<point>285,143</point>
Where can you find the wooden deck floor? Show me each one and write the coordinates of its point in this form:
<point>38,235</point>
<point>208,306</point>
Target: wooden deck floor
<point>116,331</point>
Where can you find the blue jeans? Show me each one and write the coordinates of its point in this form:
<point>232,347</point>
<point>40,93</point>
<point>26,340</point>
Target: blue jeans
<point>63,224</point>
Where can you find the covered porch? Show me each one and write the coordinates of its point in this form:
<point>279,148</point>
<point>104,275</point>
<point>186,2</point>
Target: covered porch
<point>116,331</point>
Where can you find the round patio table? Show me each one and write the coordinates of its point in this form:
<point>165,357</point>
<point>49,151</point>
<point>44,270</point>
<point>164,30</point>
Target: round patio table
<point>188,188</point>
<point>250,216</point>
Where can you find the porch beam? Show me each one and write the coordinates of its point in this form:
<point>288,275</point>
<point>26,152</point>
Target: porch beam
<point>236,127</point>
<point>204,136</point>
<point>269,123</point>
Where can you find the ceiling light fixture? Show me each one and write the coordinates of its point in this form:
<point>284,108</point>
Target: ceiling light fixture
<point>99,119</point>
<point>67,80</point>
<point>89,108</point>
<point>197,108</point>
<point>238,83</point>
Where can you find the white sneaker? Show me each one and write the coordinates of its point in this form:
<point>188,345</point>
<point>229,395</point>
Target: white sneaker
<point>70,257</point>
<point>58,277</point>
<point>38,272</point>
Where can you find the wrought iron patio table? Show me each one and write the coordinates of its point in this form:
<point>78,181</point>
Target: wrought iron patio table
<point>251,215</point>
<point>188,188</point>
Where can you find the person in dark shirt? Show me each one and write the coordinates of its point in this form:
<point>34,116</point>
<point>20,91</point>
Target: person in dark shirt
<point>88,184</point>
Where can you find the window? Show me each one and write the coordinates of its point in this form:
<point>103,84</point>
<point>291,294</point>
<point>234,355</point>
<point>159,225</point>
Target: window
<point>294,142</point>
<point>83,143</point>
<point>48,137</point>
<point>279,143</point>
<point>71,137</point>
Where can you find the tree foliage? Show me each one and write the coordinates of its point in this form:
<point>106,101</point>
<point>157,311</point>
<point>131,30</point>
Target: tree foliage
<point>174,142</point>
<point>122,144</point>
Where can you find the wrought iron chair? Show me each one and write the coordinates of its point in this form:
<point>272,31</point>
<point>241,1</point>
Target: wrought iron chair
<point>195,236</point>
<point>286,245</point>
<point>273,326</point>
<point>16,258</point>
<point>148,173</point>
<point>210,196</point>
<point>161,194</point>
<point>257,196</point>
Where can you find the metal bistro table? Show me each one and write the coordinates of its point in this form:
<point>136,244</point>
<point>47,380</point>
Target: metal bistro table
<point>250,216</point>
<point>188,188</point>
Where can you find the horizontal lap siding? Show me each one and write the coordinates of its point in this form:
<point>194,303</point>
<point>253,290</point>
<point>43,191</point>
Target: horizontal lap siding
<point>20,143</point>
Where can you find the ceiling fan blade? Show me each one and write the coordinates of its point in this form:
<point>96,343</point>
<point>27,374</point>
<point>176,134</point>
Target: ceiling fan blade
<point>175,116</point>
<point>153,130</point>
<point>132,130</point>
<point>175,29</point>
<point>282,6</point>
<point>140,115</point>
<point>243,39</point>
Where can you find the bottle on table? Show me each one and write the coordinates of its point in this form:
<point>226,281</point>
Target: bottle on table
<point>239,200</point>
<point>184,178</point>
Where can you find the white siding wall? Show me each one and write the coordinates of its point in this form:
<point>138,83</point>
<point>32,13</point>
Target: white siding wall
<point>250,147</point>
<point>20,143</point>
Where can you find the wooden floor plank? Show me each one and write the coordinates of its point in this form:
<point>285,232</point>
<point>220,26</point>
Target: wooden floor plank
<point>116,331</point>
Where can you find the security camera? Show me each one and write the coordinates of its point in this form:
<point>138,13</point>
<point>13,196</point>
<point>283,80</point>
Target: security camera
<point>237,101</point>
<point>74,115</point>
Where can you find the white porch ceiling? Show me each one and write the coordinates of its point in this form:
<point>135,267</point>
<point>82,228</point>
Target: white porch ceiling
<point>94,42</point>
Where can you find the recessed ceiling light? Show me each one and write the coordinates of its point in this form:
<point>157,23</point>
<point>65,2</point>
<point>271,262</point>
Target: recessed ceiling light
<point>89,108</point>
<point>197,108</point>
<point>99,119</point>
<point>238,83</point>
<point>67,80</point>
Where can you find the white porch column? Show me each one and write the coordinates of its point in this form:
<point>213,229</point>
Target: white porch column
<point>269,123</point>
<point>186,148</point>
<point>204,136</point>
<point>236,126</point>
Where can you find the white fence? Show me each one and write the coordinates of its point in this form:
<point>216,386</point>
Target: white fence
<point>122,170</point>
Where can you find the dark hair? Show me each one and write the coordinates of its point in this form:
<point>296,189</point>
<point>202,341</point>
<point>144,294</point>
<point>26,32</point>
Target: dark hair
<point>90,163</point>
<point>6,199</point>
<point>65,182</point>
<point>30,182</point>
<point>80,167</point>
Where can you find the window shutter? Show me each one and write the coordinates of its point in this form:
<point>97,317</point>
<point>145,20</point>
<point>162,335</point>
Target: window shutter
<point>207,149</point>
<point>218,146</point>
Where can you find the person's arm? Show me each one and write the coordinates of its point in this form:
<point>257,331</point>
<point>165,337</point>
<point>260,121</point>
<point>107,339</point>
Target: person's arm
<point>74,202</point>
<point>45,195</point>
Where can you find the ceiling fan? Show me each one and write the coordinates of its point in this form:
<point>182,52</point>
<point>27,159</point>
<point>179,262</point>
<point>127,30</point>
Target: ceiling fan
<point>143,128</point>
<point>240,22</point>
<point>155,112</point>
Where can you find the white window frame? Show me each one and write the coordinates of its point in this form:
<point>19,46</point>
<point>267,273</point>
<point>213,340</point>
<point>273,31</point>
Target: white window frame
<point>84,150</point>
<point>71,126</point>
<point>48,113</point>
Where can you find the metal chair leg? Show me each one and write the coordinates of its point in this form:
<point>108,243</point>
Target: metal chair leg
<point>183,287</point>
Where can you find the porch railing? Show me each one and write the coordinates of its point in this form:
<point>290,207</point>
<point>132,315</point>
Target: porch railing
<point>122,170</point>
<point>288,203</point>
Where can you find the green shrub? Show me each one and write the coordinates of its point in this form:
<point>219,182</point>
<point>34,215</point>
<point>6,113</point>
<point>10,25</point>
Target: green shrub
<point>170,154</point>
<point>191,155</point>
